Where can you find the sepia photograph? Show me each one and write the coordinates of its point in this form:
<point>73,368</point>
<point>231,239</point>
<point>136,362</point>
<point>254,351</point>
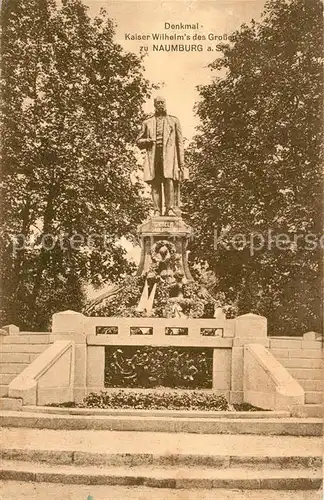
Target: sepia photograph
<point>161,250</point>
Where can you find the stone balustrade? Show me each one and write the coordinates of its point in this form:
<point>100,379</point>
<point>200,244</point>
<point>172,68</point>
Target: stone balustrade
<point>226,337</point>
<point>245,359</point>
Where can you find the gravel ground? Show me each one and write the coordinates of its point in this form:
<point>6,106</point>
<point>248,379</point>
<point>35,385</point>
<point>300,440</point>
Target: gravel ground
<point>13,490</point>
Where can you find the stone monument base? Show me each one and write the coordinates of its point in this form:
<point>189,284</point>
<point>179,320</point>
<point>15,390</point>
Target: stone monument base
<point>163,228</point>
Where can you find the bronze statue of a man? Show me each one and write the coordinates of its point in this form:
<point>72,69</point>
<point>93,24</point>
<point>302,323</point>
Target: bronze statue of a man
<point>161,137</point>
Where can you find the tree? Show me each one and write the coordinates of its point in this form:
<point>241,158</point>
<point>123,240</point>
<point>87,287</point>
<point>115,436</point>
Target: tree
<point>255,166</point>
<point>71,111</point>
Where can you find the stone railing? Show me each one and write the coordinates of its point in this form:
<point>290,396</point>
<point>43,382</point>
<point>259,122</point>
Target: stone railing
<point>156,331</point>
<point>147,331</point>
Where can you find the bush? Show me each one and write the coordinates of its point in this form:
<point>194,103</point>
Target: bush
<point>156,400</point>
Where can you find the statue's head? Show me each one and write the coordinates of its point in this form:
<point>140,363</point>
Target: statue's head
<point>160,105</point>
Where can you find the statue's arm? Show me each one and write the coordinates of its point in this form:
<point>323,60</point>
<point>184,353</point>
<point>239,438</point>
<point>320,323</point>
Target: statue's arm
<point>143,141</point>
<point>179,143</point>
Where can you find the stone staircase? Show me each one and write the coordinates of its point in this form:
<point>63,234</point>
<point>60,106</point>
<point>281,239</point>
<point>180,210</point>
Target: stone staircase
<point>17,351</point>
<point>304,361</point>
<point>167,460</point>
<point>311,380</point>
<point>313,390</point>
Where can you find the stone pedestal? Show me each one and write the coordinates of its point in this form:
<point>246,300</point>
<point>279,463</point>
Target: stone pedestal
<point>70,325</point>
<point>163,228</point>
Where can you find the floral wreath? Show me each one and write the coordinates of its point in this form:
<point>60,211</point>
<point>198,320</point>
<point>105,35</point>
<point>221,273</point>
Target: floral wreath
<point>157,247</point>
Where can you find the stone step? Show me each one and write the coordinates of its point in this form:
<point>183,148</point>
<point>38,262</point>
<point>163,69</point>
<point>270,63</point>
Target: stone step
<point>26,338</point>
<point>307,352</point>
<point>287,343</point>
<point>15,368</point>
<point>3,390</point>
<point>306,373</point>
<point>13,490</point>
<point>301,363</point>
<point>24,348</point>
<point>266,426</point>
<point>67,457</point>
<point>6,378</point>
<point>310,352</point>
<point>38,491</point>
<point>14,357</point>
<point>122,412</point>
<point>315,397</point>
<point>105,442</point>
<point>309,410</point>
<point>17,357</point>
<point>312,385</point>
<point>167,477</point>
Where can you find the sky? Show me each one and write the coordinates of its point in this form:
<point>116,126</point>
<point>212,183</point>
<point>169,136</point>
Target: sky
<point>180,72</point>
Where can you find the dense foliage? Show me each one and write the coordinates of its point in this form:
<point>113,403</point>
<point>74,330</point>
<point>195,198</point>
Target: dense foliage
<point>72,101</point>
<point>256,168</point>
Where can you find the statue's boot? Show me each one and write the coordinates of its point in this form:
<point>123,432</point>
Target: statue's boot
<point>170,212</point>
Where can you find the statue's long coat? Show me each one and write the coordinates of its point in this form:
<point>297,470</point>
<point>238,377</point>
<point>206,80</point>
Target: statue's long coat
<point>173,155</point>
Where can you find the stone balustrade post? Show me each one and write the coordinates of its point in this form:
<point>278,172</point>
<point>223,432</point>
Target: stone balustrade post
<point>248,329</point>
<point>10,330</point>
<point>71,325</point>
